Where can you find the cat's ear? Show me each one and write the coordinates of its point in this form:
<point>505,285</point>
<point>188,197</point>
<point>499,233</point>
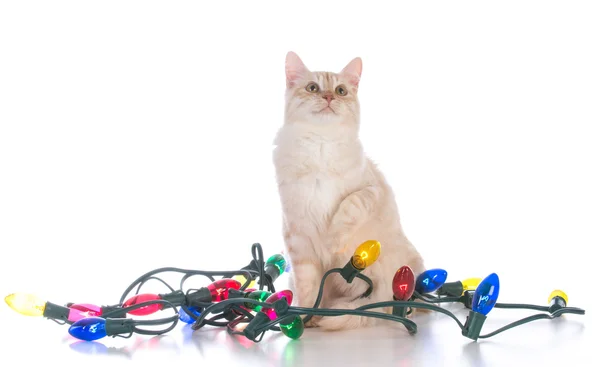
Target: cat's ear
<point>353,71</point>
<point>294,69</point>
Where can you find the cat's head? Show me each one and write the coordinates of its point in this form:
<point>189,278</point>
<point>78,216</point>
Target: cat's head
<point>318,97</point>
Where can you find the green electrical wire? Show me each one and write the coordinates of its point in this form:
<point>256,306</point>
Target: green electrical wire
<point>411,326</point>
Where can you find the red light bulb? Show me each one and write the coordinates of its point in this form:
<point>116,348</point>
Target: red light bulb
<point>403,284</point>
<point>219,290</point>
<point>274,297</point>
<point>145,310</point>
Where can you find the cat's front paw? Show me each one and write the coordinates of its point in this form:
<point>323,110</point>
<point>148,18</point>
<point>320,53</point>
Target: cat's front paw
<point>313,322</point>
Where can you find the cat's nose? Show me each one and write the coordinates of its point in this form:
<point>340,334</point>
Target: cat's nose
<point>328,97</point>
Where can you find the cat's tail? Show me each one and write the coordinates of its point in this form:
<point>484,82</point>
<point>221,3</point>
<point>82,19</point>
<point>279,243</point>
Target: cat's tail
<point>346,322</point>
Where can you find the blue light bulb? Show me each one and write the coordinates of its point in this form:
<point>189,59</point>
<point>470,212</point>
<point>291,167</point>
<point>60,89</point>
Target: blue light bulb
<point>486,294</point>
<point>183,316</point>
<point>89,328</point>
<point>288,263</point>
<point>430,280</point>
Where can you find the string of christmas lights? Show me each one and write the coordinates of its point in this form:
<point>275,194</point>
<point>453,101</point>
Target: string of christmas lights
<point>252,312</point>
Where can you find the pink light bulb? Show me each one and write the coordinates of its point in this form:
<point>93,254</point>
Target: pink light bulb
<point>87,309</point>
<point>275,297</point>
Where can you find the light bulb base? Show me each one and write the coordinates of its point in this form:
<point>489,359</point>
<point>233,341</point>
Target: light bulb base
<point>229,315</point>
<point>280,307</point>
<point>236,293</point>
<point>473,325</point>
<point>251,329</point>
<point>467,299</point>
<point>271,272</point>
<point>349,272</point>
<point>57,312</point>
<point>556,303</point>
<point>198,298</point>
<point>176,298</point>
<point>399,310</point>
<point>118,326</point>
<point>453,289</point>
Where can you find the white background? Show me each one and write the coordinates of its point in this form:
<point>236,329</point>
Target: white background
<point>138,134</point>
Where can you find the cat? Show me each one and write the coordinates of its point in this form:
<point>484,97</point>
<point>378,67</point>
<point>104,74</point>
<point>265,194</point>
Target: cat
<point>333,197</point>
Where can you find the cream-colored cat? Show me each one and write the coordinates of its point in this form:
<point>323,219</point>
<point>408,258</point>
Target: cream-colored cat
<point>333,196</point>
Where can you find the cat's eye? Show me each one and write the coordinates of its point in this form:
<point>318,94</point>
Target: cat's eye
<point>341,90</point>
<point>312,87</point>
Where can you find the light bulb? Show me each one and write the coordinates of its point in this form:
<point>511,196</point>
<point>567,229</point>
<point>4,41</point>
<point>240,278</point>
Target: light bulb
<point>94,328</point>
<point>31,305</point>
<point>484,300</point>
<point>260,296</point>
<point>293,329</point>
<point>470,284</point>
<point>144,310</point>
<point>219,290</point>
<point>403,284</point>
<point>183,316</point>
<point>486,294</point>
<point>558,293</point>
<point>90,328</point>
<point>242,279</point>
<point>86,309</point>
<point>274,267</point>
<point>277,261</point>
<point>270,312</point>
<point>26,304</point>
<point>430,280</point>
<point>366,254</point>
<point>557,300</point>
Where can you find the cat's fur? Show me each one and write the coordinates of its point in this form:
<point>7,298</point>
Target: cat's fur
<point>333,196</point>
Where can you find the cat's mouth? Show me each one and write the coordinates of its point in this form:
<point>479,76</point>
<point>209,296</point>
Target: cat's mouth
<point>327,109</point>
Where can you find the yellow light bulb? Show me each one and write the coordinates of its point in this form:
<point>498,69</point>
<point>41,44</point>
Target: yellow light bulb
<point>471,284</point>
<point>559,293</point>
<point>242,279</point>
<point>366,254</point>
<point>26,304</point>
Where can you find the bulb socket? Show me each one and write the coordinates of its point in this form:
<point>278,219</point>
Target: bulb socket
<point>467,299</point>
<point>473,325</point>
<point>57,312</point>
<point>349,272</point>
<point>176,298</point>
<point>250,331</point>
<point>399,310</point>
<point>198,298</point>
<point>556,303</point>
<point>118,326</point>
<point>236,293</point>
<point>453,289</point>
<point>271,272</point>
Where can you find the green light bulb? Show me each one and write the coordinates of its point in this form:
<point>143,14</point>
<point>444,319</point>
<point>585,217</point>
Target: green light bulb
<point>260,296</point>
<point>293,329</point>
<point>278,261</point>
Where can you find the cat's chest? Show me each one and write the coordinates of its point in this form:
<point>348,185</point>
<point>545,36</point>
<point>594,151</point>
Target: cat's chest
<point>309,201</point>
<point>313,179</point>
